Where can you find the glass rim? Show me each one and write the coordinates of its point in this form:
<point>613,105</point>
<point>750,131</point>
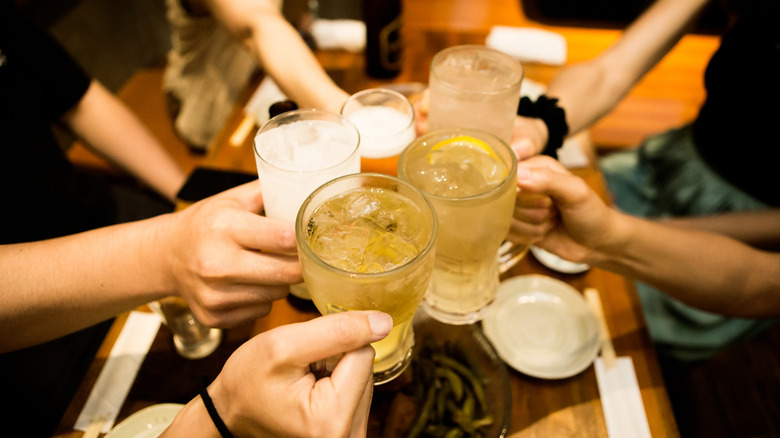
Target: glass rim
<point>445,133</point>
<point>382,91</point>
<point>516,65</point>
<point>290,114</point>
<point>305,247</point>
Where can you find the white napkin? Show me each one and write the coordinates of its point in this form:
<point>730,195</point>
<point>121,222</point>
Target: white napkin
<point>119,372</point>
<point>349,35</point>
<point>267,94</point>
<point>528,44</point>
<point>621,400</point>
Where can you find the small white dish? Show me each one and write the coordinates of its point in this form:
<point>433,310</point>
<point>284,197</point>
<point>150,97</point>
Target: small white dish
<point>542,327</point>
<point>556,263</point>
<point>147,423</point>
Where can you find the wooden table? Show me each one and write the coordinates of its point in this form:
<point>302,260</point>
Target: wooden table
<point>544,408</point>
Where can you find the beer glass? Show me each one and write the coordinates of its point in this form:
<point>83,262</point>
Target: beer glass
<point>385,120</point>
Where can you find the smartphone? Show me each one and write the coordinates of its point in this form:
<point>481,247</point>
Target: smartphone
<point>205,182</point>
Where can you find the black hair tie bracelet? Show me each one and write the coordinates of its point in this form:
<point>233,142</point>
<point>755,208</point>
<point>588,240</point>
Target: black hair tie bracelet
<point>204,395</point>
<point>553,116</point>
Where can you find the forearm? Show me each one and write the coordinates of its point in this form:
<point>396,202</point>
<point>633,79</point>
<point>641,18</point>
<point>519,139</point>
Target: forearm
<point>760,229</point>
<point>590,90</point>
<point>110,129</point>
<point>281,51</point>
<point>703,269</point>
<point>58,286</point>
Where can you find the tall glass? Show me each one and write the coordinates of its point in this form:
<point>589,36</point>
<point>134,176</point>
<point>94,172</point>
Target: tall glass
<point>469,176</point>
<point>476,87</point>
<point>296,152</point>
<point>385,120</point>
<point>367,242</point>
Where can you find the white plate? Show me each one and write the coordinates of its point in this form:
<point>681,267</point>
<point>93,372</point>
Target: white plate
<point>147,423</point>
<point>542,327</point>
<point>556,263</point>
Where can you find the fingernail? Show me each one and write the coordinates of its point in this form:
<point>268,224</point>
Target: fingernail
<point>523,173</point>
<point>381,323</point>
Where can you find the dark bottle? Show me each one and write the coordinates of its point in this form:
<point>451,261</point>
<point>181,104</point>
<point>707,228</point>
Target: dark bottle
<point>384,47</point>
<point>281,107</point>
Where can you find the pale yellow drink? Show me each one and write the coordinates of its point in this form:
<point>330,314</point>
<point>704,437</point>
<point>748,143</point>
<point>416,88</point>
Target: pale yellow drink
<point>469,177</point>
<point>366,242</point>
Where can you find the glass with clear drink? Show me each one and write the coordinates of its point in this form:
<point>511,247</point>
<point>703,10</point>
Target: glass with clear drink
<point>473,86</point>
<point>469,176</point>
<point>367,242</point>
<point>385,120</point>
<point>296,152</point>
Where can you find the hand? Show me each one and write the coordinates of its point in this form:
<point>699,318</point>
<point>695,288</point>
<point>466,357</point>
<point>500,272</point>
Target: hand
<point>229,262</point>
<point>267,388</point>
<point>534,215</point>
<point>584,223</point>
<point>421,106</point>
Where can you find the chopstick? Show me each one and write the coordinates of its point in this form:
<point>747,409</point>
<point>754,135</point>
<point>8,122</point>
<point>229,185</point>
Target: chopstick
<point>94,428</point>
<point>242,131</point>
<point>607,349</point>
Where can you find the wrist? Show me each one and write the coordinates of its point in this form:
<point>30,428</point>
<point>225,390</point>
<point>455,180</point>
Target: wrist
<point>616,238</point>
<point>216,410</point>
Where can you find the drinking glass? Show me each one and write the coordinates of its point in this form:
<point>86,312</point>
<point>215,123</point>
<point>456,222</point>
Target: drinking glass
<point>385,120</point>
<point>192,339</point>
<point>296,152</point>
<point>366,242</point>
<point>469,176</point>
<point>473,86</point>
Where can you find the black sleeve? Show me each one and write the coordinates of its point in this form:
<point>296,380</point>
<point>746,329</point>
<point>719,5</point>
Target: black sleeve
<point>36,72</point>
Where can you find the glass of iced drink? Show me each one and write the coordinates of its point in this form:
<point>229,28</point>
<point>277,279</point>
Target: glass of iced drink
<point>385,120</point>
<point>469,176</point>
<point>297,151</point>
<point>476,87</point>
<point>366,242</point>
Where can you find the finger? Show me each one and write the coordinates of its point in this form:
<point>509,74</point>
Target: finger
<point>545,175</point>
<point>232,318</point>
<point>523,148</point>
<point>248,195</point>
<point>536,214</point>
<point>235,304</point>
<point>332,334</point>
<point>265,234</point>
<point>526,199</point>
<point>360,419</point>
<point>261,268</point>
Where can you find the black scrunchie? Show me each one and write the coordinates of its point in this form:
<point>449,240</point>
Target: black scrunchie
<point>553,116</point>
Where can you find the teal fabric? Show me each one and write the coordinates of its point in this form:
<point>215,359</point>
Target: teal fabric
<point>665,177</point>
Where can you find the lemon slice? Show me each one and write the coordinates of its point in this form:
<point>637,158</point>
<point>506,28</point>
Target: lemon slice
<point>465,140</point>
